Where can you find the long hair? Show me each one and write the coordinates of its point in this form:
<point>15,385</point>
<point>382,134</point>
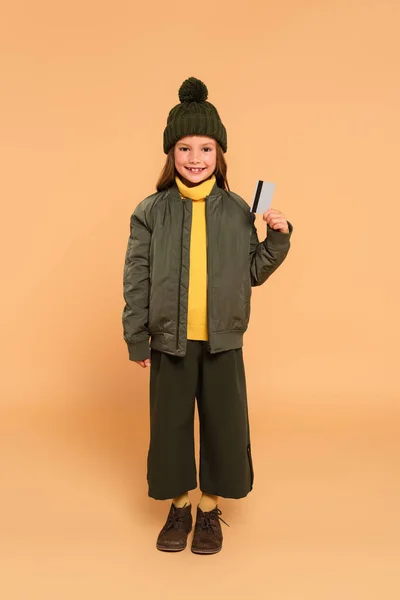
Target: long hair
<point>167,176</point>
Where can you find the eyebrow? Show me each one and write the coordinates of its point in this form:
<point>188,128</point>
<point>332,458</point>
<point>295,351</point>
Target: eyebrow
<point>206,144</point>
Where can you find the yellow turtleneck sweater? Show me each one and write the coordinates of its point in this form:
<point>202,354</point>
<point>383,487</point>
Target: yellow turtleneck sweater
<point>197,301</point>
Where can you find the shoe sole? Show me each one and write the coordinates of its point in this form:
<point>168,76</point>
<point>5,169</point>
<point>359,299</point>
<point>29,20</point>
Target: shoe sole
<point>200,551</point>
<point>168,549</point>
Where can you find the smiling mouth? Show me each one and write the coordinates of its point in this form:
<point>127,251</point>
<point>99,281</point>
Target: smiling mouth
<point>195,170</point>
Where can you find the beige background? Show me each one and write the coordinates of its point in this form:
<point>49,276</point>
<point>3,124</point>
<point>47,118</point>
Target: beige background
<point>309,93</point>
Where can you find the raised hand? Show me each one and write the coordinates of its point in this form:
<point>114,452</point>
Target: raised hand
<point>276,220</point>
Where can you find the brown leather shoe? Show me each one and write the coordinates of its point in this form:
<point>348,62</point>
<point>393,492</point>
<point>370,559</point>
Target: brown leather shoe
<point>207,538</point>
<point>173,536</point>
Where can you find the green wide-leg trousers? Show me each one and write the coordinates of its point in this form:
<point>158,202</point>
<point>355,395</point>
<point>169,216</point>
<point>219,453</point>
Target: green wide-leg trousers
<point>218,383</point>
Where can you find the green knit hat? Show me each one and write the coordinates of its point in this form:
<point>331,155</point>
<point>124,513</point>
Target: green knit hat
<point>193,116</point>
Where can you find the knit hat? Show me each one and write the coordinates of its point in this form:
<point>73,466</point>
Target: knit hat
<point>193,116</point>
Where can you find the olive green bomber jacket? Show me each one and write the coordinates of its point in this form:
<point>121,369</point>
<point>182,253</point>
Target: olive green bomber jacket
<point>156,271</point>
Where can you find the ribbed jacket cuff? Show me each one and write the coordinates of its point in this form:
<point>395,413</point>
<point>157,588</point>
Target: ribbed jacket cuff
<point>277,239</point>
<point>139,350</point>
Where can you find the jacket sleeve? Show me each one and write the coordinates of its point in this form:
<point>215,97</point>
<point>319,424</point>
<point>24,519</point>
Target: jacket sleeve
<point>266,256</point>
<point>136,286</point>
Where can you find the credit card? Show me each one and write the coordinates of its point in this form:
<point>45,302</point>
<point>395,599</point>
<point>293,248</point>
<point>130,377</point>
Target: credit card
<point>263,196</point>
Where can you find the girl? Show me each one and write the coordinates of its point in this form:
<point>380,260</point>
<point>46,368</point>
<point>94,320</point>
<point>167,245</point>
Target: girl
<point>192,259</point>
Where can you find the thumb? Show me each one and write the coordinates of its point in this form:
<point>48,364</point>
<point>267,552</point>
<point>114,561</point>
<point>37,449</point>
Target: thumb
<point>147,362</point>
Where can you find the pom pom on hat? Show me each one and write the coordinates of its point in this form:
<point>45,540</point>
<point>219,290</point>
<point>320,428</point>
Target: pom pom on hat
<point>193,90</point>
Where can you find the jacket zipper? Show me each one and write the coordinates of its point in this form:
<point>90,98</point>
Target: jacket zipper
<point>180,276</point>
<point>208,284</point>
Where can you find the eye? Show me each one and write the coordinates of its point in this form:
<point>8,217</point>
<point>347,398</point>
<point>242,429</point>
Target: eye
<point>183,148</point>
<point>207,149</point>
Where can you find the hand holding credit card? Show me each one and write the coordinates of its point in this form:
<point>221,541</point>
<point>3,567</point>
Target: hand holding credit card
<point>262,196</point>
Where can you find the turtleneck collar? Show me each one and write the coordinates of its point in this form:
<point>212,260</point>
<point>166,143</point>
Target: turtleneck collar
<point>197,192</point>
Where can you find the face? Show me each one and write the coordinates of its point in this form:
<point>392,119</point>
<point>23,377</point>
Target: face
<point>195,158</point>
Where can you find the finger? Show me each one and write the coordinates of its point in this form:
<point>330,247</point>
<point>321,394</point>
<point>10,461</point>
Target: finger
<point>271,211</point>
<point>274,223</point>
<point>274,219</point>
<point>276,213</point>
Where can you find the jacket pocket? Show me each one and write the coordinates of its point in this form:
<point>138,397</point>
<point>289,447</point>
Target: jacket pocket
<point>230,308</point>
<point>250,464</point>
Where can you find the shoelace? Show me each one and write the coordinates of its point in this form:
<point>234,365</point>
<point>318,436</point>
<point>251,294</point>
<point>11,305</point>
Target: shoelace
<point>175,518</point>
<point>208,520</point>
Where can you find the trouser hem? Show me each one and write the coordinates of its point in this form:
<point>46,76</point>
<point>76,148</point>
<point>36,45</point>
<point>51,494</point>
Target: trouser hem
<point>222,494</point>
<point>170,496</point>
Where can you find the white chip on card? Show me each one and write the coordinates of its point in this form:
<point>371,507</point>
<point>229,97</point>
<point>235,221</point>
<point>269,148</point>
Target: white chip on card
<point>263,196</point>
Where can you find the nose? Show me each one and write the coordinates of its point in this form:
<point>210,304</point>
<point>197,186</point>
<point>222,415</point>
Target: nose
<point>193,157</point>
